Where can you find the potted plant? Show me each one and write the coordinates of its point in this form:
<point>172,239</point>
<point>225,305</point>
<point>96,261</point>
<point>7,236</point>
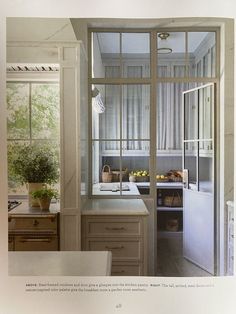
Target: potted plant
<point>44,197</point>
<point>35,165</point>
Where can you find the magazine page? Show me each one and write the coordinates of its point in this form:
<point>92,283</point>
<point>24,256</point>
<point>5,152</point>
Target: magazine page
<point>117,157</point>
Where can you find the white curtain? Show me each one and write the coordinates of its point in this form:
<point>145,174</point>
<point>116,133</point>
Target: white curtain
<point>169,110</point>
<point>163,103</point>
<point>110,119</point>
<point>135,111</point>
<point>132,110</point>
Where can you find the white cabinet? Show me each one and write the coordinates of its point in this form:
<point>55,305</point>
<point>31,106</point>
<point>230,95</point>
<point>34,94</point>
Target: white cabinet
<point>124,236</point>
<point>119,226</point>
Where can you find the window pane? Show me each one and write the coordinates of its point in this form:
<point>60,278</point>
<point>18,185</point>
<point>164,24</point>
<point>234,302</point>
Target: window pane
<point>206,167</point>
<point>18,111</point>
<point>169,115</point>
<point>190,163</point>
<point>136,112</point>
<point>45,111</point>
<point>106,112</point>
<point>205,112</point>
<point>106,157</point>
<point>191,116</point>
<point>171,53</point>
<point>135,158</point>
<point>105,55</point>
<point>202,54</point>
<point>14,184</point>
<point>136,55</point>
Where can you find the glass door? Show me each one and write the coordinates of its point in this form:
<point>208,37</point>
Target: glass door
<point>198,169</point>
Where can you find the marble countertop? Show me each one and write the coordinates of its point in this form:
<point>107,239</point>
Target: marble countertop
<point>113,188</point>
<point>115,207</point>
<point>69,263</point>
<point>24,209</point>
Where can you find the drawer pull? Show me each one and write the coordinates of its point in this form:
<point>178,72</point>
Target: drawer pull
<point>35,223</point>
<point>232,236</point>
<point>115,228</point>
<point>114,247</point>
<point>35,240</point>
<point>118,272</point>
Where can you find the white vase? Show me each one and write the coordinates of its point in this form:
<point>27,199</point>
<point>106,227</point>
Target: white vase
<point>132,178</point>
<point>31,188</point>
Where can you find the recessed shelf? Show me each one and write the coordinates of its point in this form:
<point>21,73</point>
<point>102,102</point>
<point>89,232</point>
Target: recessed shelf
<point>169,234</point>
<point>172,209</point>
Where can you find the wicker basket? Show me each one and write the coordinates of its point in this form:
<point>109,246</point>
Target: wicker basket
<point>172,224</point>
<point>142,179</point>
<point>174,200</point>
<point>106,174</point>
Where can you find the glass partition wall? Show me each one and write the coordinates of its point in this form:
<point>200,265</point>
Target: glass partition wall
<point>137,79</point>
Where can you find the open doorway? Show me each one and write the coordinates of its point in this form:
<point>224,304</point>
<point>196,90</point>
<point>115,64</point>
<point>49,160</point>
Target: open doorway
<point>142,90</point>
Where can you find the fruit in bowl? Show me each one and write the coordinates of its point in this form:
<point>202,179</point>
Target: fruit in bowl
<point>139,175</point>
<point>161,177</point>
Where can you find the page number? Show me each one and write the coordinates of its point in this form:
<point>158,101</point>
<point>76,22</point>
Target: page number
<point>118,306</point>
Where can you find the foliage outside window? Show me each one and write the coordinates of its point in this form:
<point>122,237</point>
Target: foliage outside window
<point>33,118</point>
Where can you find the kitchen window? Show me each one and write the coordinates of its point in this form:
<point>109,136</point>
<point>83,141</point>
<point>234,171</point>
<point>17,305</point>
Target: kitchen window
<point>33,117</point>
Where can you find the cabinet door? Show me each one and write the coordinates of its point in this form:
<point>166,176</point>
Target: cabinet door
<point>122,249</point>
<point>126,269</point>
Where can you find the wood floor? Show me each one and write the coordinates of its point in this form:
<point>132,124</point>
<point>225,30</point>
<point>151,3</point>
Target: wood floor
<point>171,263</point>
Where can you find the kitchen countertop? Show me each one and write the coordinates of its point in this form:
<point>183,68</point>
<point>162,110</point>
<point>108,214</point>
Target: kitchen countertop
<point>59,263</point>
<point>115,207</point>
<point>24,209</point>
<point>133,187</point>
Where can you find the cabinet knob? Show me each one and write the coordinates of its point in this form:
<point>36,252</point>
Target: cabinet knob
<point>40,240</point>
<point>119,247</point>
<point>35,223</point>
<point>115,228</point>
<point>118,272</point>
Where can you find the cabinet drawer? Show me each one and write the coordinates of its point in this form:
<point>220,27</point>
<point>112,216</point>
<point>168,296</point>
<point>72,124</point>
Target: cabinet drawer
<point>126,269</point>
<point>111,227</point>
<point>25,224</point>
<point>36,243</point>
<point>121,249</point>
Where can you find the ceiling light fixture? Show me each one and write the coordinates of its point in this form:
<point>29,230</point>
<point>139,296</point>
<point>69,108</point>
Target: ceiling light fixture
<point>164,50</point>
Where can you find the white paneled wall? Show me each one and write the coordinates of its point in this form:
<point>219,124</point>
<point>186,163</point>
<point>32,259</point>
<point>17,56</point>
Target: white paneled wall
<point>73,79</point>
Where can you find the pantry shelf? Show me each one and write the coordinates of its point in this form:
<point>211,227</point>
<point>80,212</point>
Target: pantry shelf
<point>172,209</point>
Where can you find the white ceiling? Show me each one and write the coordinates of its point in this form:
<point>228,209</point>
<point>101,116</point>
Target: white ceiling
<point>45,29</point>
<point>139,42</point>
<point>39,29</point>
